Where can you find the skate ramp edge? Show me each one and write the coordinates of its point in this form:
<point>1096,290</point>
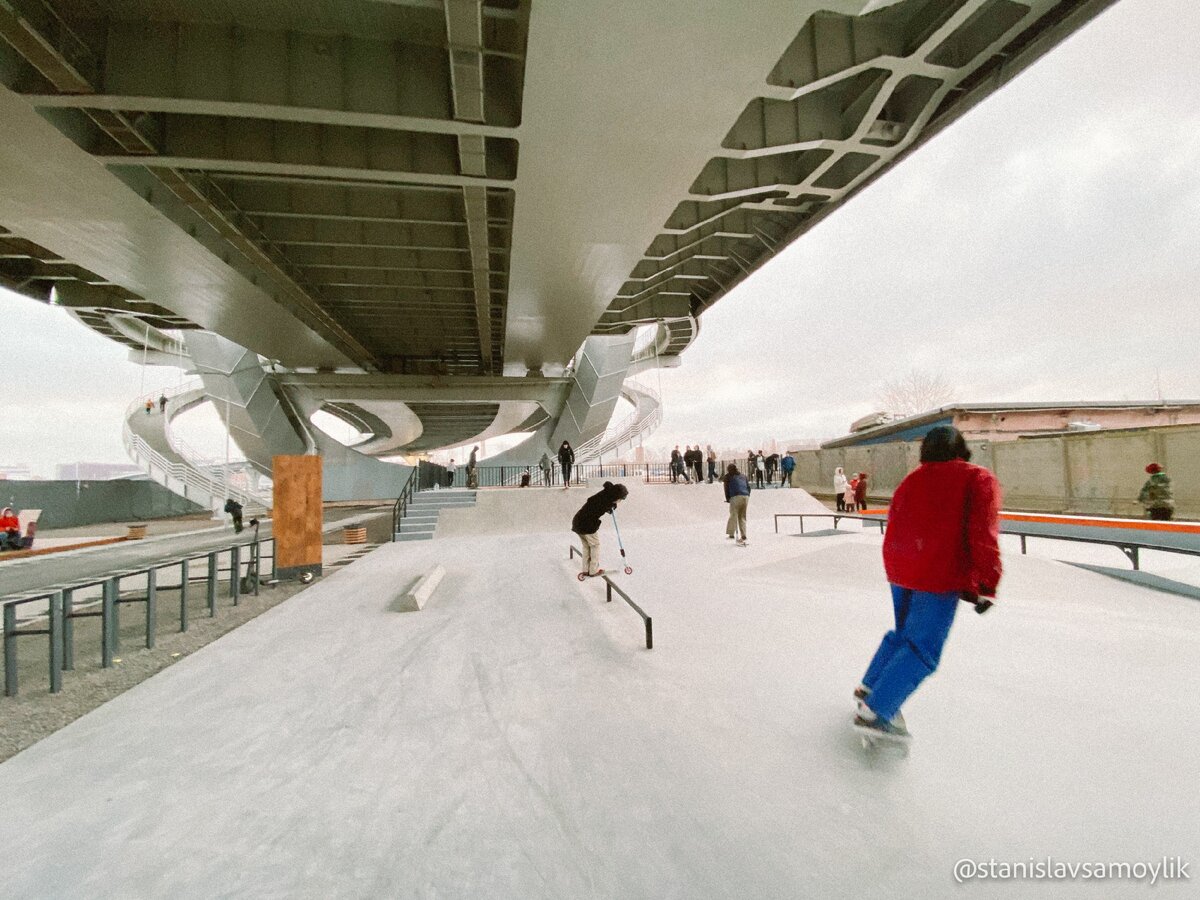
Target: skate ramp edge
<point>548,510</point>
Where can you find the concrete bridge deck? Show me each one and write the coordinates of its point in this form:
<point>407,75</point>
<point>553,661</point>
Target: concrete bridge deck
<point>516,739</point>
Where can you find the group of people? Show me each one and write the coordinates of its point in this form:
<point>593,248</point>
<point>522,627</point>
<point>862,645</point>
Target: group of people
<point>850,493</point>
<point>690,463</point>
<point>765,467</point>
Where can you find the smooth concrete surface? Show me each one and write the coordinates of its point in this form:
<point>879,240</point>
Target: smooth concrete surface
<point>517,740</point>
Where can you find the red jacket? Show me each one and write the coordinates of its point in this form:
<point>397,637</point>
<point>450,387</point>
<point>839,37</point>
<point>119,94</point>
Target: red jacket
<point>943,530</point>
<point>10,523</point>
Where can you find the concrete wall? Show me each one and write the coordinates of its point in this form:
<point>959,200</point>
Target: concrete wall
<point>1096,472</point>
<point>68,503</point>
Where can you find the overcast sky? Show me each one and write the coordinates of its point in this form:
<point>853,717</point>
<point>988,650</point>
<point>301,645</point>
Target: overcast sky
<point>1041,248</point>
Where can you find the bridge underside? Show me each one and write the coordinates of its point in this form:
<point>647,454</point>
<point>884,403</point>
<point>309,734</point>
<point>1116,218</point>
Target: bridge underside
<point>457,189</point>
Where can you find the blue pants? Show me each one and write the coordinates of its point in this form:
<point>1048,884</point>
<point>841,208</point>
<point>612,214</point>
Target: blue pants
<point>910,653</point>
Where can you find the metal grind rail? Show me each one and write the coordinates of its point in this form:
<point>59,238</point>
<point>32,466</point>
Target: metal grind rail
<point>881,521</point>
<point>611,587</point>
<point>62,610</point>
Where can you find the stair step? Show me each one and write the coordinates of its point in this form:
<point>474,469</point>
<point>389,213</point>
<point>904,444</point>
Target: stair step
<point>413,536</point>
<point>412,527</point>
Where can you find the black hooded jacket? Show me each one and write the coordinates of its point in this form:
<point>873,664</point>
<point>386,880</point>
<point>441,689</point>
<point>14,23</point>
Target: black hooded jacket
<point>587,520</point>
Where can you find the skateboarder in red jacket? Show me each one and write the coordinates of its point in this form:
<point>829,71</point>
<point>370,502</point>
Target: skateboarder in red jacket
<point>942,546</point>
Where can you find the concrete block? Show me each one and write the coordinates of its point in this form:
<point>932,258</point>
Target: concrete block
<point>415,598</point>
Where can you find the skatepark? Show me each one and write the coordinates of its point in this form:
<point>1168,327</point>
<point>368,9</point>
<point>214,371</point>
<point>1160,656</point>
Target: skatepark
<point>515,738</point>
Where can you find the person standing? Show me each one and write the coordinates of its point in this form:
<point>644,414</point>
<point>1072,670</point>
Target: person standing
<point>839,488</point>
<point>676,464</point>
<point>760,469</point>
<point>473,468</point>
<point>848,500</point>
<point>586,523</point>
<point>712,464</point>
<point>860,491</point>
<point>942,546</point>
<point>698,463</point>
<point>450,472</point>
<point>786,466</point>
<point>566,459</point>
<point>1156,494</point>
<point>737,495</point>
<point>547,470</point>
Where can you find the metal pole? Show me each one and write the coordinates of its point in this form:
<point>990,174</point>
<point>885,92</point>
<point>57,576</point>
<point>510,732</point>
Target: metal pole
<point>212,584</point>
<point>10,651</point>
<point>151,606</point>
<point>183,586</point>
<point>116,613</point>
<point>235,573</point>
<point>106,626</point>
<point>56,656</point>
<point>68,630</point>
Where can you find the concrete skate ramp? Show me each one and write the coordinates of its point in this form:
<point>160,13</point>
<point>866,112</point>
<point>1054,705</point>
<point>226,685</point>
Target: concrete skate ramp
<point>543,510</point>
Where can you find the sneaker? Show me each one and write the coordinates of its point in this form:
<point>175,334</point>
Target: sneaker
<point>730,536</point>
<point>742,542</point>
<point>862,692</point>
<point>883,727</point>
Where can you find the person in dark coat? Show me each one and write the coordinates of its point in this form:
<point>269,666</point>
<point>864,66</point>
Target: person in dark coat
<point>737,495</point>
<point>586,523</point>
<point>1156,495</point>
<point>860,491</point>
<point>566,459</point>
<point>235,511</point>
<point>942,546</point>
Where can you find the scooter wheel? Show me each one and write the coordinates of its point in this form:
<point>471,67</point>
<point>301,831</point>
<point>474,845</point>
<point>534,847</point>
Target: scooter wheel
<point>581,576</point>
<point>628,570</point>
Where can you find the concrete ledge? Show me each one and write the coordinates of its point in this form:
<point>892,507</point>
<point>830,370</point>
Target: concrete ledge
<point>415,598</point>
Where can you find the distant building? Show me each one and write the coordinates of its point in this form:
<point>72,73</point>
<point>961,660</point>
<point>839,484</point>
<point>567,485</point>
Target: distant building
<point>1010,421</point>
<point>94,471</point>
<point>18,472</point>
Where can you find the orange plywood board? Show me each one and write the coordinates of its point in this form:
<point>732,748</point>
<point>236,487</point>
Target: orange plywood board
<point>296,523</point>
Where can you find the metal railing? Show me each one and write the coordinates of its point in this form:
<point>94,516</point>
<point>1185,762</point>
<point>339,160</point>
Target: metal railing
<point>184,476</point>
<point>64,606</point>
<point>881,521</point>
<point>645,417</point>
<point>400,508</point>
<point>611,587</point>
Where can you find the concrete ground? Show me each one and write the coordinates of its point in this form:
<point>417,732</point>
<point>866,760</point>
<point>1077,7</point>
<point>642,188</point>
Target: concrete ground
<point>516,739</point>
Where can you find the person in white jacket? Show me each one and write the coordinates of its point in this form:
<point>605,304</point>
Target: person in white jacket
<point>839,488</point>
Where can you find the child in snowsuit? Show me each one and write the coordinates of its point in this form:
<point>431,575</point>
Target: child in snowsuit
<point>586,523</point>
<point>848,495</point>
<point>942,546</point>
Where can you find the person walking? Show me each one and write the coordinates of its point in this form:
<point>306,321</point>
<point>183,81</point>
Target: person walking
<point>942,546</point>
<point>1156,494</point>
<point>162,403</point>
<point>566,459</point>
<point>149,406</point>
<point>737,495</point>
<point>712,464</point>
<point>586,523</point>
<point>760,469</point>
<point>547,470</point>
<point>786,465</point>
<point>235,512</point>
<point>839,488</point>
<point>860,491</point>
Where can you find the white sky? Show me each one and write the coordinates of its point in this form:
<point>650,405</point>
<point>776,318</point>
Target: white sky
<point>1042,248</point>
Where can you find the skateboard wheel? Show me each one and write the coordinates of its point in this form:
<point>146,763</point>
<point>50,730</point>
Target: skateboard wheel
<point>581,576</point>
<point>628,570</point>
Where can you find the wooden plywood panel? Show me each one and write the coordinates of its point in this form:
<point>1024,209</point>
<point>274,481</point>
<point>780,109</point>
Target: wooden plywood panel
<point>297,513</point>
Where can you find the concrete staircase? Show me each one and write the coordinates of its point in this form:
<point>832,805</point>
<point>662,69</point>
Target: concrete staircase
<point>422,516</point>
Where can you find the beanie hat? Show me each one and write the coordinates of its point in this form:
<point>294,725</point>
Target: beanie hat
<point>1153,468</point>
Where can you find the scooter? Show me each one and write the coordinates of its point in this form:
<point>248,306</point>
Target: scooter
<point>628,569</point>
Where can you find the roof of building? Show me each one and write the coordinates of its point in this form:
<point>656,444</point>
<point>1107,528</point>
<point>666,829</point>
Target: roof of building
<point>914,427</point>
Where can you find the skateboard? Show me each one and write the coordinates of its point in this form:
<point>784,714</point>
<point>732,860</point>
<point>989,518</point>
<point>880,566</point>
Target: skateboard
<point>873,740</point>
